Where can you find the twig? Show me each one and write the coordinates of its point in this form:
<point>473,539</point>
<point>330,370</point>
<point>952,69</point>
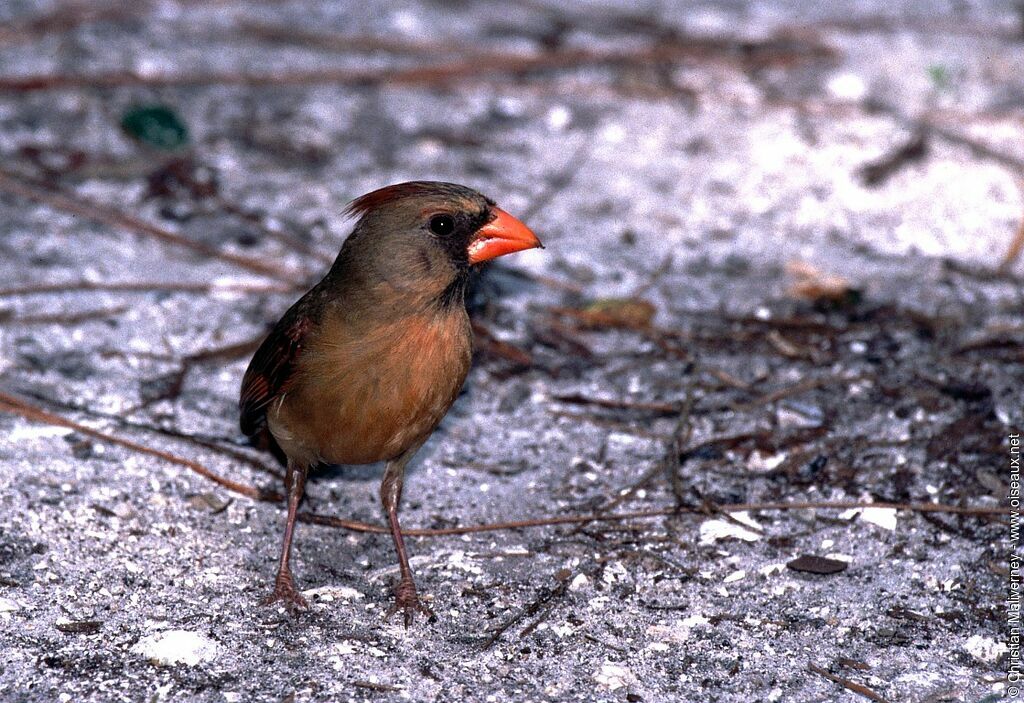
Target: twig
<point>495,469</point>
<point>640,554</point>
<point>540,618</point>
<point>593,319</point>
<point>1013,251</point>
<point>656,275</point>
<point>383,687</point>
<point>559,181</point>
<point>712,508</point>
<point>17,406</point>
<point>561,338</point>
<point>979,273</point>
<point>992,340</point>
<point>766,440</point>
<point>549,281</point>
<point>229,351</point>
<point>670,464</point>
<point>67,17</point>
<point>357,526</point>
<point>142,287</point>
<point>330,41</point>
<point>726,378</point>
<point>796,324</point>
<point>14,405</point>
<point>796,389</point>
<point>876,172</point>
<point>220,445</point>
<point>578,399</point>
<point>675,459</point>
<point>609,645</point>
<point>627,427</point>
<point>13,183</point>
<point>488,343</point>
<point>727,50</point>
<point>976,147</point>
<point>849,685</point>
<point>921,24</point>
<point>279,235</point>
<point>64,318</point>
<point>787,348</point>
<point>546,596</point>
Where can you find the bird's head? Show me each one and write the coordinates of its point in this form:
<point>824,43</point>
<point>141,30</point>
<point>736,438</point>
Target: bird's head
<point>425,235</point>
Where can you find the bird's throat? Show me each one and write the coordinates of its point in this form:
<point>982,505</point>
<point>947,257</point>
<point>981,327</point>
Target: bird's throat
<point>455,293</point>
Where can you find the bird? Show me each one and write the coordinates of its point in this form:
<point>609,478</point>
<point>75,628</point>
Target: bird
<point>363,367</point>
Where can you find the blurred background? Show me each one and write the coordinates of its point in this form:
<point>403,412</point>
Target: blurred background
<point>775,128</point>
<point>782,264</point>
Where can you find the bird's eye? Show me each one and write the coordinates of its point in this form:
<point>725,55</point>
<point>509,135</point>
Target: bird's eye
<point>442,224</point>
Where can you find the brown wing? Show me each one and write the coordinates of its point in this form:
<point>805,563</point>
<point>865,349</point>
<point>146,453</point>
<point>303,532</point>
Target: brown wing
<point>272,366</point>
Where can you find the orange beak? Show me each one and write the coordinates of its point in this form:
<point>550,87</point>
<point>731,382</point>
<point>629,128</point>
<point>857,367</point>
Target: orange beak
<point>502,235</point>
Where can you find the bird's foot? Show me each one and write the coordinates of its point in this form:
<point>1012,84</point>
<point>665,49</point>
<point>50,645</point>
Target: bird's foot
<point>286,594</point>
<point>408,601</point>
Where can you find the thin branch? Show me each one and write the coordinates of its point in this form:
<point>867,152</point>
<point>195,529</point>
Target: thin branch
<point>976,147</point>
<point>559,181</point>
<point>357,526</point>
<point>142,287</point>
<point>224,353</point>
<point>68,17</point>
<point>372,686</point>
<point>849,685</point>
<point>549,281</point>
<point>484,340</point>
<point>798,388</point>
<point>548,597</point>
<point>612,404</point>
<point>919,24</point>
<point>669,465</point>
<point>62,318</point>
<point>219,445</point>
<point>332,41</point>
<point>627,427</point>
<point>953,136</point>
<point>234,350</point>
<point>710,507</point>
<point>14,405</point>
<point>12,183</point>
<point>282,236</point>
<point>772,52</point>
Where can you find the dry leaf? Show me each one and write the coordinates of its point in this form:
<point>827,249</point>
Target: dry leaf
<point>619,312</point>
<point>810,283</point>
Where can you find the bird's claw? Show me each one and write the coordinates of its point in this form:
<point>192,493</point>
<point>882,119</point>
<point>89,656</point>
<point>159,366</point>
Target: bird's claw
<point>286,594</point>
<point>408,601</point>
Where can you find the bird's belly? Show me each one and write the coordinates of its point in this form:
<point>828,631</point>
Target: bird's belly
<point>371,402</point>
<point>373,424</point>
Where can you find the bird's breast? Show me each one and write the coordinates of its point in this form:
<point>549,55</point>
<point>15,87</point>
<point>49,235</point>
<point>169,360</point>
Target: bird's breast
<point>367,392</point>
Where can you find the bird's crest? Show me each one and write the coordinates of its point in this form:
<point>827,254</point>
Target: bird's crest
<point>389,194</point>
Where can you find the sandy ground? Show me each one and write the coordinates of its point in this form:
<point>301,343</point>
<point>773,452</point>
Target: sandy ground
<point>685,155</point>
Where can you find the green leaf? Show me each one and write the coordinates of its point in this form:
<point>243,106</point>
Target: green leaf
<point>940,76</point>
<point>155,125</point>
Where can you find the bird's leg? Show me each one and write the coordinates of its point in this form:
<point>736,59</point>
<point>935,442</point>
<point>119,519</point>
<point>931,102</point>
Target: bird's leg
<point>406,597</point>
<point>284,585</point>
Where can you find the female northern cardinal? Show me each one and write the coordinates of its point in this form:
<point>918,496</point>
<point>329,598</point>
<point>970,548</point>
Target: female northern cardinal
<point>364,366</point>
